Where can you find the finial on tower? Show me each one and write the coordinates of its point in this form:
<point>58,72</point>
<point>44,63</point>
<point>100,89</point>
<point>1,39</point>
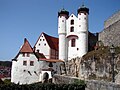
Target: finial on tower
<point>83,5</point>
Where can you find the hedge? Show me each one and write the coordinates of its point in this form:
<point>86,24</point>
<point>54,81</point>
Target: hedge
<point>40,86</point>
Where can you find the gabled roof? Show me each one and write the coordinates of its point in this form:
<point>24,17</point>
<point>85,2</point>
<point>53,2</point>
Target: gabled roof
<point>52,41</point>
<point>26,47</point>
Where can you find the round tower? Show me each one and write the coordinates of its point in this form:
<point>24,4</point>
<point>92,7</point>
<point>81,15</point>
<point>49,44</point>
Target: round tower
<point>62,17</point>
<point>83,13</point>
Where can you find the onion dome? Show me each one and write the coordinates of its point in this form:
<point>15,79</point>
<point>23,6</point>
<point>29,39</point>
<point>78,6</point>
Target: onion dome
<point>83,9</point>
<point>63,12</point>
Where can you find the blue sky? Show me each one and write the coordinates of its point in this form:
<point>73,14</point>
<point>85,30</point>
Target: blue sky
<point>21,19</point>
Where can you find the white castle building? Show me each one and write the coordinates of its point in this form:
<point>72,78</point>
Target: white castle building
<point>30,64</point>
<point>73,33</point>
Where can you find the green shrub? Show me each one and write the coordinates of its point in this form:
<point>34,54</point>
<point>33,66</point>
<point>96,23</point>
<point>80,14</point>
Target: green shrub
<point>40,86</point>
<point>7,81</point>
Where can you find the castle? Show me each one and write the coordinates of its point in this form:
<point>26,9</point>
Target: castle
<point>49,52</point>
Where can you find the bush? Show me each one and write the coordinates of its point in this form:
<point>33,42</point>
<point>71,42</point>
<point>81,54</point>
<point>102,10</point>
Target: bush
<point>7,81</point>
<point>40,86</point>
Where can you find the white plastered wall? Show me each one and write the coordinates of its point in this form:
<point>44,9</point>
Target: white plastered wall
<point>20,74</point>
<point>43,46</point>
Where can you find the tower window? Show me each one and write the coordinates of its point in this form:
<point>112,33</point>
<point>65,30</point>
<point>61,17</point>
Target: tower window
<point>62,20</point>
<point>73,43</point>
<point>72,22</point>
<point>72,29</point>
<point>24,63</point>
<point>45,44</point>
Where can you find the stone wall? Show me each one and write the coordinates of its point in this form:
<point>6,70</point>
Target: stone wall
<point>111,35</point>
<point>100,68</point>
<point>73,67</point>
<point>91,84</point>
<point>111,32</point>
<point>96,67</point>
<point>114,18</point>
<point>100,85</point>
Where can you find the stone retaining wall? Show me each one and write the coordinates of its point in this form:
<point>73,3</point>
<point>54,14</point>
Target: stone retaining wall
<point>111,35</point>
<point>91,84</point>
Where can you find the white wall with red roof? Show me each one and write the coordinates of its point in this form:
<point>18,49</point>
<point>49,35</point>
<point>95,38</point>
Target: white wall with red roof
<point>42,46</point>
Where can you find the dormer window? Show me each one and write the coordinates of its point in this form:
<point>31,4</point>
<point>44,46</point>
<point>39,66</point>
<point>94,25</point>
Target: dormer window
<point>28,54</point>
<point>23,54</point>
<point>72,29</point>
<point>72,22</point>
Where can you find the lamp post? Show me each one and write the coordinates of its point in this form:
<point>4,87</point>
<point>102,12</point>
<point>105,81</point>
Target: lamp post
<point>112,51</point>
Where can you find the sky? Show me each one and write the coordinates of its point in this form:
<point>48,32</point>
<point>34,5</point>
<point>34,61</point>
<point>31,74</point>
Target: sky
<point>21,19</point>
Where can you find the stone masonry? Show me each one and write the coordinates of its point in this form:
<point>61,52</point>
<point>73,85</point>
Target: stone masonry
<point>90,84</point>
<point>111,33</point>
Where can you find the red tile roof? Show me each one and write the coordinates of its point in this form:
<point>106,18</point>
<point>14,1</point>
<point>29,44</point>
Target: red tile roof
<point>52,41</point>
<point>51,60</point>
<point>26,47</point>
<point>40,55</point>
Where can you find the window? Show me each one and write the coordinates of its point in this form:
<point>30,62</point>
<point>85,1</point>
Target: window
<point>23,54</point>
<point>31,63</point>
<point>72,29</point>
<point>24,63</point>
<point>62,20</point>
<point>77,49</point>
<point>39,44</point>
<point>43,39</point>
<point>45,44</point>
<point>28,54</point>
<point>40,39</point>
<point>73,43</point>
<point>72,22</point>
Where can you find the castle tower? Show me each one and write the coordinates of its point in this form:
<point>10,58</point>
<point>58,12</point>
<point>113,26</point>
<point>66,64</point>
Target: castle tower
<point>62,17</point>
<point>82,30</point>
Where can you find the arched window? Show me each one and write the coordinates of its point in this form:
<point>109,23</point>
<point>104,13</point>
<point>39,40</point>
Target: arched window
<point>72,42</point>
<point>72,22</point>
<point>72,29</point>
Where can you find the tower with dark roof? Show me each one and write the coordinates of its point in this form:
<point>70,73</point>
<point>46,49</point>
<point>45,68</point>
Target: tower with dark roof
<point>73,33</point>
<point>62,19</point>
